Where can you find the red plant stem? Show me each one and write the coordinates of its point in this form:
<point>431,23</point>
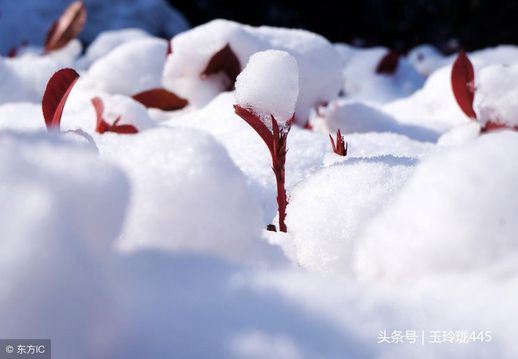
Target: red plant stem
<point>278,163</point>
<point>276,141</point>
<point>278,152</point>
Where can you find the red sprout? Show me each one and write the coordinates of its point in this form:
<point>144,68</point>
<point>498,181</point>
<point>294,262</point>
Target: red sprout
<point>340,146</point>
<point>276,141</point>
<point>102,126</point>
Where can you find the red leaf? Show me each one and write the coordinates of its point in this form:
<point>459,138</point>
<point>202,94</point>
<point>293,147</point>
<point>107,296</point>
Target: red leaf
<point>226,61</point>
<point>462,83</point>
<point>161,99</point>
<point>67,27</point>
<point>388,63</point>
<point>124,129</point>
<point>257,124</point>
<point>55,96</point>
<point>102,126</point>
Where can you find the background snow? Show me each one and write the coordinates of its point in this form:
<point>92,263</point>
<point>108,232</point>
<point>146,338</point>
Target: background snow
<point>28,20</point>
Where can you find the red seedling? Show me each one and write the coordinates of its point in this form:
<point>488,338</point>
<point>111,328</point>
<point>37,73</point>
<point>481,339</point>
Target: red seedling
<point>56,95</point>
<point>102,126</point>
<point>226,61</point>
<point>388,64</point>
<point>66,28</point>
<point>161,99</point>
<point>463,84</point>
<point>276,141</point>
<point>340,146</point>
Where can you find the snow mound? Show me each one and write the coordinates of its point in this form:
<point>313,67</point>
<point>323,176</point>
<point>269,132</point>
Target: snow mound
<point>130,68</point>
<point>23,79</point>
<point>496,94</point>
<point>357,117</point>
<point>456,214</point>
<point>188,195</point>
<point>318,61</point>
<point>60,213</point>
<point>80,114</point>
<point>68,186</point>
<point>361,82</point>
<point>108,41</point>
<point>426,59</point>
<point>327,211</point>
<point>269,85</point>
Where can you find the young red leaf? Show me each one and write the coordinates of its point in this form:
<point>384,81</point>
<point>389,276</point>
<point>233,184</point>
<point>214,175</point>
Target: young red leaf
<point>340,146</point>
<point>102,126</point>
<point>67,27</point>
<point>257,124</point>
<point>388,63</point>
<point>161,99</point>
<point>462,83</point>
<point>226,61</point>
<point>55,96</point>
<point>276,141</point>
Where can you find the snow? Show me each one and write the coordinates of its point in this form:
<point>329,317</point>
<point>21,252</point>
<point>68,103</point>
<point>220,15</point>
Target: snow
<point>157,244</point>
<point>326,212</point>
<point>360,80</point>
<point>496,93</point>
<point>107,41</point>
<point>269,85</point>
<point>130,68</point>
<point>184,179</point>
<point>455,230</point>
<point>358,117</point>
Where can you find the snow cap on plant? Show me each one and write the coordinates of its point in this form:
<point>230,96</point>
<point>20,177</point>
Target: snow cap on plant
<point>269,85</point>
<point>266,94</point>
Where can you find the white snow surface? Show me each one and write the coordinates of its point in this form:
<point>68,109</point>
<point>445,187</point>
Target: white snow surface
<point>269,85</point>
<point>156,243</point>
<point>496,93</point>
